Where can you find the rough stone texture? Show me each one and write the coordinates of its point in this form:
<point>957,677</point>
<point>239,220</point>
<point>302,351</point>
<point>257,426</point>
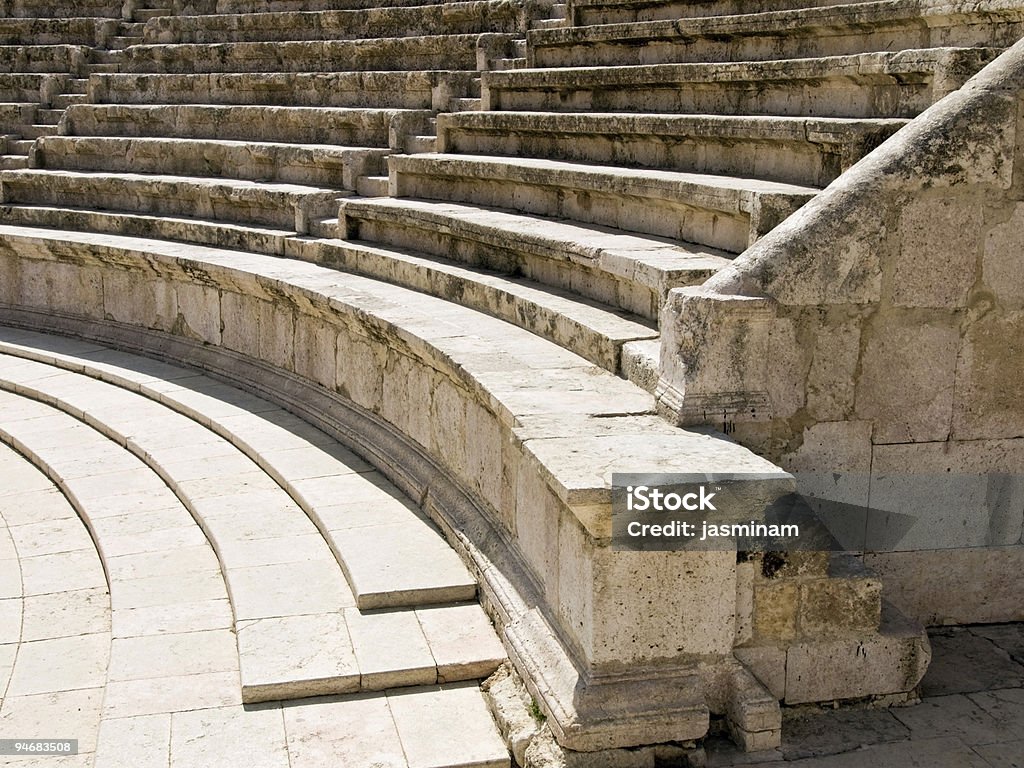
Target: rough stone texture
<point>896,285</point>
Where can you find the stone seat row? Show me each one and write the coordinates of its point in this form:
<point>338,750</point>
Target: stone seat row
<point>474,16</point>
<point>57,31</point>
<point>267,548</point>
<point>831,30</point>
<point>587,12</point>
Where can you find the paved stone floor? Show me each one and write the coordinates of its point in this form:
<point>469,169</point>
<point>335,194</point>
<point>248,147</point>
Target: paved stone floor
<point>971,715</point>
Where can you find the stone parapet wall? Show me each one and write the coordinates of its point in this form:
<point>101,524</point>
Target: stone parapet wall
<point>877,334</point>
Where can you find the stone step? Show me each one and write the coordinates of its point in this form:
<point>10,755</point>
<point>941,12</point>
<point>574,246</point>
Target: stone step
<point>372,186</point>
<point>392,90</point>
<point>723,212</point>
<point>145,14</point>
<point>65,100</point>
<point>76,85</point>
<point>308,164</point>
<point>56,31</point>
<point>593,331</point>
<point>274,204</point>
<point>798,150</point>
<point>866,85</point>
<point>133,28</point>
<point>20,146</point>
<point>288,597</point>
<point>466,105</point>
<point>49,116</point>
<point>202,7</point>
<point>427,52</point>
<point>472,17</point>
<point>498,65</point>
<point>415,144</point>
<point>31,88</point>
<point>43,59</point>
<point>15,115</point>
<point>121,42</point>
<point>351,127</point>
<point>588,12</point>
<point>33,9</point>
<point>619,270</point>
<point>884,25</point>
<point>105,68</point>
<point>37,130</point>
<point>331,485</point>
<point>218,234</point>
<point>13,162</point>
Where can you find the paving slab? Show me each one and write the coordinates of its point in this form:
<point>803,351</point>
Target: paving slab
<point>173,654</point>
<point>956,716</point>
<point>171,694</point>
<point>447,726</point>
<point>161,619</point>
<point>390,649</point>
<point>462,641</point>
<point>61,664</point>
<point>65,614</point>
<point>77,712</point>
<point>842,731</point>
<point>253,737</point>
<point>62,572</point>
<point>296,656</point>
<point>146,739</point>
<point>946,752</point>
<point>342,731</point>
<point>963,662</point>
<point>1009,637</point>
<point>1008,754</point>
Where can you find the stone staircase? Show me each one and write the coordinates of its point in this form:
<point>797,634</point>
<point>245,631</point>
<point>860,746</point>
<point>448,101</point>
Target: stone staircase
<point>514,189</point>
<point>325,578</point>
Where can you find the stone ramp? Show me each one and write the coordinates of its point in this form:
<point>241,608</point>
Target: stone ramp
<point>174,647</point>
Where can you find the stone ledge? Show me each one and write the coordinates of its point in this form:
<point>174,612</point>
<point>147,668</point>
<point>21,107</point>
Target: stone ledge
<point>387,20</point>
<point>802,32</point>
<point>427,89</point>
<point>622,270</point>
<point>396,53</point>
<point>517,459</point>
<point>798,150</point>
<point>346,126</point>
<point>306,164</point>
<point>864,85</point>
<point>718,211</point>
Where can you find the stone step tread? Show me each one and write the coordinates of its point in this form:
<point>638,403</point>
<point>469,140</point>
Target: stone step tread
<point>773,127</point>
<point>424,52</point>
<point>268,203</point>
<point>279,627</point>
<point>844,17</point>
<point>259,161</point>
<point>858,67</point>
<point>396,89</point>
<point>592,330</point>
<point>646,259</point>
<point>13,162</point>
<point>315,477</point>
<point>727,193</point>
<point>248,237</point>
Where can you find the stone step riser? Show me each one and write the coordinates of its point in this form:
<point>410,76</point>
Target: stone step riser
<point>350,128</point>
<point>13,117</point>
<point>619,271</point>
<point>239,202</point>
<point>33,9</point>
<point>206,7</point>
<point>481,16</point>
<point>185,230</point>
<point>77,31</point>
<point>44,59</point>
<point>694,214</point>
<point>624,11</point>
<point>668,42</point>
<point>384,54</point>
<point>520,304</point>
<point>799,154</point>
<point>309,164</point>
<point>394,90</point>
<point>879,85</point>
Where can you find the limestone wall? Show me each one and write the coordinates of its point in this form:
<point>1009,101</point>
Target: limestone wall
<point>878,334</point>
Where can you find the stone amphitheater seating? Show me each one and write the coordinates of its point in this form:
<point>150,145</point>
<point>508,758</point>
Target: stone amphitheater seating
<point>445,234</point>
